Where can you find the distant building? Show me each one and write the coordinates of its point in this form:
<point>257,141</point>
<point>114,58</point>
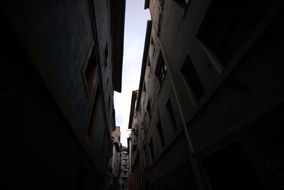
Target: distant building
<point>210,102</point>
<point>135,142</point>
<point>115,159</point>
<point>123,174</point>
<point>116,134</point>
<point>62,61</point>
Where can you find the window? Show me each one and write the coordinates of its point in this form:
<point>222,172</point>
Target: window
<point>106,55</point>
<point>151,146</point>
<point>144,86</point>
<point>161,69</point>
<point>90,71</point>
<point>162,2</point>
<point>109,102</point>
<point>152,41</point>
<point>171,113</point>
<point>149,109</point>
<point>182,3</point>
<point>192,79</point>
<point>160,131</point>
<point>159,24</point>
<point>227,25</point>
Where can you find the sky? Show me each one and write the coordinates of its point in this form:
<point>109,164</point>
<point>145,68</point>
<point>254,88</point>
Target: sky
<point>134,35</point>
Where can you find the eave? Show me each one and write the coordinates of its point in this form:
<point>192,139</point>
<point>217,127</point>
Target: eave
<point>117,12</point>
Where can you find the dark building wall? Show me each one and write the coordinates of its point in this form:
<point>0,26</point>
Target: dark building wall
<point>58,36</point>
<point>182,36</point>
<point>68,48</point>
<point>102,12</point>
<point>244,93</point>
<point>62,33</point>
<point>222,99</point>
<point>39,149</point>
<point>177,149</point>
<point>181,177</point>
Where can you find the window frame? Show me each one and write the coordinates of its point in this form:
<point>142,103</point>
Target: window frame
<point>192,79</point>
<point>161,69</point>
<point>161,134</point>
<point>170,111</point>
<point>89,71</point>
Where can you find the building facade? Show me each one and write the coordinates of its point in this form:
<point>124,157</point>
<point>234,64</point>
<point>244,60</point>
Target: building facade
<point>210,101</point>
<point>123,166</point>
<point>116,150</point>
<point>115,159</point>
<point>63,60</point>
<point>136,139</point>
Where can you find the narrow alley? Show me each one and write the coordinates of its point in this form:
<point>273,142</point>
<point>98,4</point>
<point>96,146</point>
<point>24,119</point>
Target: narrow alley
<point>207,113</point>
